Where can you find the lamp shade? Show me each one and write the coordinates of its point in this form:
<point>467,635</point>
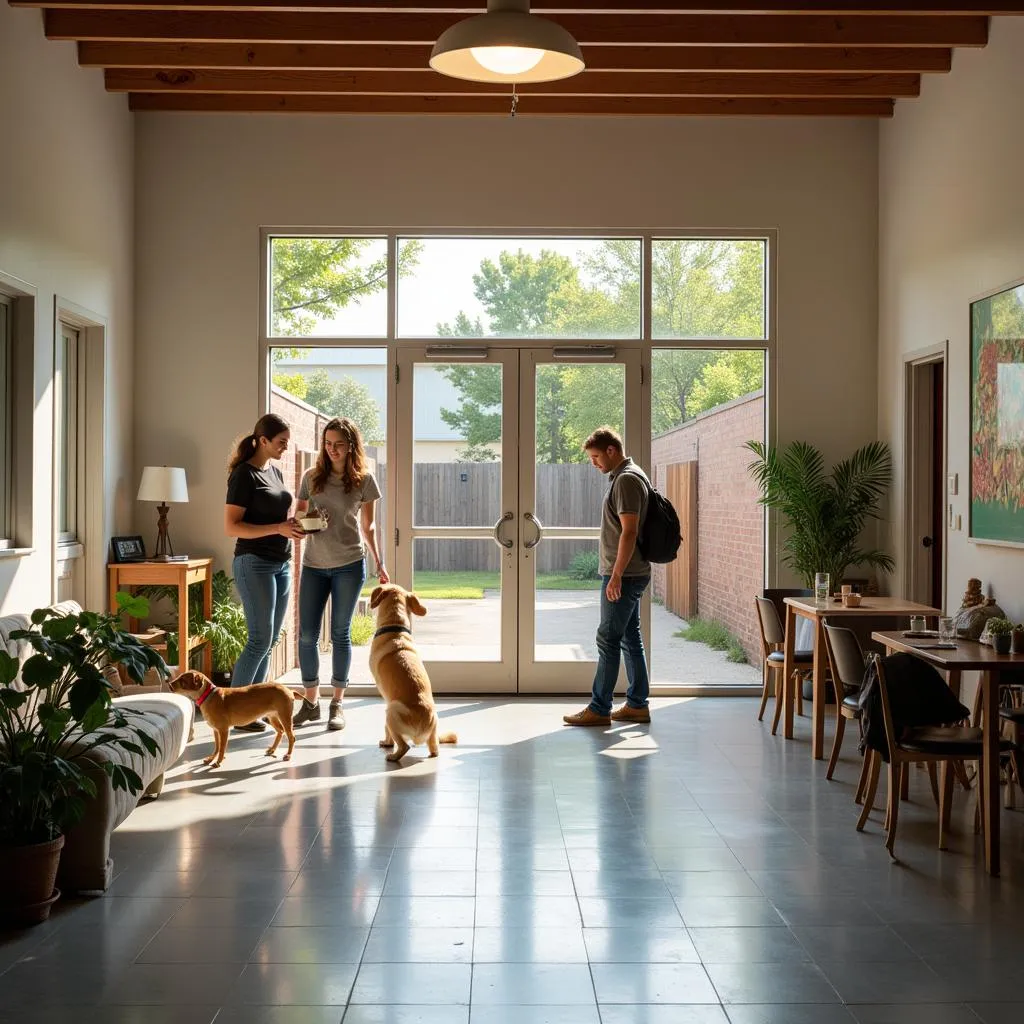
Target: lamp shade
<point>507,44</point>
<point>163,483</point>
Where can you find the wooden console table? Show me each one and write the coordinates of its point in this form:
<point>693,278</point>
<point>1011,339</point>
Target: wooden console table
<point>128,575</point>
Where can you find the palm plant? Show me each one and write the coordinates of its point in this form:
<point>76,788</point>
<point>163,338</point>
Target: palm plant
<point>825,512</point>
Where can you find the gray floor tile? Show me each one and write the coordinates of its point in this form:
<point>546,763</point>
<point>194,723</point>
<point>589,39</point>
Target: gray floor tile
<point>599,912</point>
<point>293,985</point>
<point>770,983</point>
<point>395,1014</point>
<point>748,945</point>
<point>415,984</point>
<point>999,1013</point>
<point>665,1013</point>
<point>726,911</point>
<point>216,944</point>
<point>710,883</point>
<point>550,984</point>
<point>311,944</point>
<point>652,983</point>
<point>357,911</point>
<point>425,912</point>
<point>526,1014</point>
<point>109,1014</point>
<point>419,945</point>
<point>825,911</point>
<point>906,982</point>
<point>430,883</point>
<point>166,984</point>
<point>277,1015</point>
<point>638,944</point>
<point>789,1013</point>
<point>926,1013</point>
<point>537,944</point>
<point>524,911</point>
<point>861,944</point>
<point>515,882</point>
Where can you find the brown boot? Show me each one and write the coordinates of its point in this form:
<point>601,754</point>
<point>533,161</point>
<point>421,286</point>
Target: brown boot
<point>629,714</point>
<point>586,717</point>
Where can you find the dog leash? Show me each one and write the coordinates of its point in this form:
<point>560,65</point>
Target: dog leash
<point>392,629</point>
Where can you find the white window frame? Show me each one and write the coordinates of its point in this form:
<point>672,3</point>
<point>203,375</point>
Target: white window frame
<point>68,408</point>
<point>6,423</point>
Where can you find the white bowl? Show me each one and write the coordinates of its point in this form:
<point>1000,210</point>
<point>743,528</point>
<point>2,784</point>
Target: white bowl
<point>311,524</point>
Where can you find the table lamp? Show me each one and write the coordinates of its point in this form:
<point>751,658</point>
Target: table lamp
<point>163,484</point>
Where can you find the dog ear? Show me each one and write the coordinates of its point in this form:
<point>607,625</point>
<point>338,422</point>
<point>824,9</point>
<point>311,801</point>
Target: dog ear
<point>413,604</point>
<point>376,597</point>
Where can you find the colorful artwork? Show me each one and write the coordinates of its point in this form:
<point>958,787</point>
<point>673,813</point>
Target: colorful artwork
<point>997,417</point>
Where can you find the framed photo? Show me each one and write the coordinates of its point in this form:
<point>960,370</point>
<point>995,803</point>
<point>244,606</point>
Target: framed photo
<point>997,418</point>
<point>128,549</point>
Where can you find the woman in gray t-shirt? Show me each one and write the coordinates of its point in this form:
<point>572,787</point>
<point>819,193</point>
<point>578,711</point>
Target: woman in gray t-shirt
<point>344,493</point>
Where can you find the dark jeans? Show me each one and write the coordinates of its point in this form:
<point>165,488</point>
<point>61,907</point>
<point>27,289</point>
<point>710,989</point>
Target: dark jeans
<point>263,586</point>
<point>342,586</point>
<point>620,631</point>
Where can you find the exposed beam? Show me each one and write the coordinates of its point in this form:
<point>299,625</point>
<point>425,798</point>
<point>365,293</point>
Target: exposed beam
<point>340,56</point>
<point>611,106</point>
<point>592,83</point>
<point>596,29</point>
<point>551,7</point>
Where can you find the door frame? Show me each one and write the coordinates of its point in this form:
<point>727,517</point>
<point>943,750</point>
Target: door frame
<point>919,465</point>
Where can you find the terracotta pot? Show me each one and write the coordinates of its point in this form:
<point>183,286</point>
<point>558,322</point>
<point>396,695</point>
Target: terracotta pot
<point>1001,643</point>
<point>27,877</point>
<point>1017,642</point>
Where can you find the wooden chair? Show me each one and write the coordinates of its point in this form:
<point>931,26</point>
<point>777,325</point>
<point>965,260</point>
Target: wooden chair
<point>773,638</point>
<point>846,666</point>
<point>940,745</point>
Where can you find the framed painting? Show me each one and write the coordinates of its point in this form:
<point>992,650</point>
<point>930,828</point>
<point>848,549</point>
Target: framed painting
<point>997,418</point>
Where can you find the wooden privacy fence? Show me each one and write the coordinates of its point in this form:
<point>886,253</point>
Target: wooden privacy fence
<point>469,494</point>
<point>681,575</point>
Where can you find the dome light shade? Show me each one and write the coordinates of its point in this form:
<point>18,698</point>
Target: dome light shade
<point>507,45</point>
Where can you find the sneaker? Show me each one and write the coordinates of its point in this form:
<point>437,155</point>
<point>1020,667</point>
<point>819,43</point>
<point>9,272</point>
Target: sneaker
<point>586,717</point>
<point>335,716</point>
<point>308,712</point>
<point>258,726</point>
<point>631,714</point>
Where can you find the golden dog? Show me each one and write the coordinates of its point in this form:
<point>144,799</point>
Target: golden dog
<point>403,682</point>
<point>226,706</point>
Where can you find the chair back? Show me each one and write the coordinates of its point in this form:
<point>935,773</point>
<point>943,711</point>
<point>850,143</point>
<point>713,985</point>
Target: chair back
<point>883,690</point>
<point>772,633</point>
<point>845,657</point>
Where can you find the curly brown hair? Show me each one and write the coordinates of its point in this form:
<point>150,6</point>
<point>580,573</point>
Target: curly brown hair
<point>602,439</point>
<point>355,458</point>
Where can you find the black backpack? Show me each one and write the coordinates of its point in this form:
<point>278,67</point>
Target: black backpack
<point>659,537</point>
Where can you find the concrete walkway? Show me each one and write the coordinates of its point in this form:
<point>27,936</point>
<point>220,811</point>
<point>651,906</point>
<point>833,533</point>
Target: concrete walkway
<point>566,621</point>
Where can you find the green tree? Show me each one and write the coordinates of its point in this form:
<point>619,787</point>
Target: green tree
<point>733,373</point>
<point>345,397</point>
<point>478,416</point>
<point>313,279</point>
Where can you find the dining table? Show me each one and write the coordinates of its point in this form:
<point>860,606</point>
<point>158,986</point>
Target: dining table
<point>995,669</point>
<point>874,607</point>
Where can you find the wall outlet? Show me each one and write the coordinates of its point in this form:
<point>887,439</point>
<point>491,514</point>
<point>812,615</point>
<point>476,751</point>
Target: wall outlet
<point>954,480</point>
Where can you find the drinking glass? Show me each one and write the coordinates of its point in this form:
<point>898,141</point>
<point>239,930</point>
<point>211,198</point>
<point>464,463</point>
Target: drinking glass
<point>821,589</point>
<point>946,631</point>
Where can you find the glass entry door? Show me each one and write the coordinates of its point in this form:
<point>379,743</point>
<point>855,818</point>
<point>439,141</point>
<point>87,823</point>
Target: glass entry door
<point>498,509</point>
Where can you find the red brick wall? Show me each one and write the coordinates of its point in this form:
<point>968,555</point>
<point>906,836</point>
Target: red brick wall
<point>730,531</point>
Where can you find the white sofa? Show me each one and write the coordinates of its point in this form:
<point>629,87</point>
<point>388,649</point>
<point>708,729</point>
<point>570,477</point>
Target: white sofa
<point>85,863</point>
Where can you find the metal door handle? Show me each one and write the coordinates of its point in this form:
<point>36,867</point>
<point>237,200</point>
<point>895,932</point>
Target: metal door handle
<point>497,531</point>
<point>531,518</point>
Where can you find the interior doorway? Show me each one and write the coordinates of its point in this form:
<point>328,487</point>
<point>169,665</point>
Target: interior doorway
<point>925,435</point>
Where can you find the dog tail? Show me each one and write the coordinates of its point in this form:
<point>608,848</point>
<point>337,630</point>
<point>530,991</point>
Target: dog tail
<point>448,737</point>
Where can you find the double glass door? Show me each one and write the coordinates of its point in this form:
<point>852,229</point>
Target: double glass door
<point>498,509</point>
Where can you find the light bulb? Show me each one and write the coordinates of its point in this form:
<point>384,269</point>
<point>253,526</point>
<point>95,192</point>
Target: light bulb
<point>507,60</point>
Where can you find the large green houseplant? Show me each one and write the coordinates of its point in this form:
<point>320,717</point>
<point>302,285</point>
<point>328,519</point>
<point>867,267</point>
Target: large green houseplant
<point>50,727</point>
<point>825,513</point>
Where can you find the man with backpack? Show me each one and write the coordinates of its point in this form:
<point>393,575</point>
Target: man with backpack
<point>625,574</point>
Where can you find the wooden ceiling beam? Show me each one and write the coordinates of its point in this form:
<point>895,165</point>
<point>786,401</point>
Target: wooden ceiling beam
<point>596,29</point>
<point>554,8</point>
<point>551,106</point>
<point>591,83</point>
<point>340,56</point>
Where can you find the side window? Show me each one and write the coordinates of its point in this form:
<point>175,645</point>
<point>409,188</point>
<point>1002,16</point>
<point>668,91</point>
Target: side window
<point>6,402</point>
<point>67,433</point>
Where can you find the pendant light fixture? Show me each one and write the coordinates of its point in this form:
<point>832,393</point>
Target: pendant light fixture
<point>507,44</point>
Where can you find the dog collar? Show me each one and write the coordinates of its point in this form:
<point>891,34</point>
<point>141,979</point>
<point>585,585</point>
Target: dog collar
<point>392,629</point>
<point>205,694</point>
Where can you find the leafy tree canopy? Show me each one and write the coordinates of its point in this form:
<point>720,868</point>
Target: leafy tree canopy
<point>345,397</point>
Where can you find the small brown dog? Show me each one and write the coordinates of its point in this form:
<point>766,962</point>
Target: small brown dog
<point>403,682</point>
<point>224,707</point>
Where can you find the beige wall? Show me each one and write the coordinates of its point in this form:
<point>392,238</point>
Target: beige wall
<point>951,226</point>
<point>66,230</point>
<point>207,183</point>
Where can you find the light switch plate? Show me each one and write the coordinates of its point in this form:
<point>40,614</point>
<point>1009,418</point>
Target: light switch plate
<point>954,481</point>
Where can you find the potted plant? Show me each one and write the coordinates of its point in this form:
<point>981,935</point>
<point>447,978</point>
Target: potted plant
<point>227,632</point>
<point>50,723</point>
<point>1001,631</point>
<point>1017,639</point>
<point>825,513</point>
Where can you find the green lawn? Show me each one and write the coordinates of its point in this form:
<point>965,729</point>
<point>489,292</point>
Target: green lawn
<point>473,584</point>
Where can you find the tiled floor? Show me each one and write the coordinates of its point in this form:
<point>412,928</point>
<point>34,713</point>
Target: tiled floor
<point>698,871</point>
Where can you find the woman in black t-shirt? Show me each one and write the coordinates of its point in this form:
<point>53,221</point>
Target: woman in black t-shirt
<point>256,513</point>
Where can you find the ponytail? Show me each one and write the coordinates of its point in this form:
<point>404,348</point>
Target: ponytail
<point>268,426</point>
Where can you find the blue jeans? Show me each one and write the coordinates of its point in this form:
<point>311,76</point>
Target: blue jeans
<point>263,586</point>
<point>342,585</point>
<point>620,631</point>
